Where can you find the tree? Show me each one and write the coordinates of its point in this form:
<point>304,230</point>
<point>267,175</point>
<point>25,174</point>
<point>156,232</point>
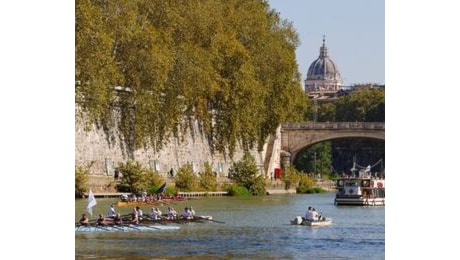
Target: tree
<point>246,173</point>
<point>230,65</point>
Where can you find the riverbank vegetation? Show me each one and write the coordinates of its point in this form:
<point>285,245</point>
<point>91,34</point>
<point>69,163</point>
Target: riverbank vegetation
<point>81,181</point>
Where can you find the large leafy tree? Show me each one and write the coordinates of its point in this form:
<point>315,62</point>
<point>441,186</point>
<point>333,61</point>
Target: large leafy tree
<point>229,64</point>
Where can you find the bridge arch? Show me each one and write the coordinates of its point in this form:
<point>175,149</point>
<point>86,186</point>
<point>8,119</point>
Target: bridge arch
<point>295,137</point>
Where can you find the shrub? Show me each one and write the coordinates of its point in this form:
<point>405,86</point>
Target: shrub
<point>81,181</point>
<point>245,173</point>
<point>208,180</point>
<point>237,190</point>
<point>186,179</point>
<point>136,178</point>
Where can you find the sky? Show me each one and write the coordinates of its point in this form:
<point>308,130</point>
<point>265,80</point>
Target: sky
<point>354,30</point>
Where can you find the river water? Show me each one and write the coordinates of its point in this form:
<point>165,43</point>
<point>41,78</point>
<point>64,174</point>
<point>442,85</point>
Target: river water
<point>255,228</point>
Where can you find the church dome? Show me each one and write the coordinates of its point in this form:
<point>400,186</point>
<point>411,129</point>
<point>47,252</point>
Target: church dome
<point>323,68</point>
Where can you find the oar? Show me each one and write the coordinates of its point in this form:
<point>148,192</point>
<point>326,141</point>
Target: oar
<point>130,226</point>
<point>220,222</point>
<point>101,227</point>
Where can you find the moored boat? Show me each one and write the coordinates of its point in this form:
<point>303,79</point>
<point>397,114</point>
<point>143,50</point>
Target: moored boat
<point>364,190</point>
<point>312,223</point>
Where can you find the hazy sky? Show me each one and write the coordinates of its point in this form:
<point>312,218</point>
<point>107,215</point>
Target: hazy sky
<point>355,35</point>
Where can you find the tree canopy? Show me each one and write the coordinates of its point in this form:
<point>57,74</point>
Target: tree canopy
<point>229,64</point>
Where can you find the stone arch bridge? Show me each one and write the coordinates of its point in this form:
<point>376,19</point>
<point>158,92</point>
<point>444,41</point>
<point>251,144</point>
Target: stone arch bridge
<point>295,137</point>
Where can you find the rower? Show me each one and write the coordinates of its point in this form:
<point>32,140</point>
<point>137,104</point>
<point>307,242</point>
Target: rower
<point>134,219</point>
<point>101,220</point>
<point>84,220</point>
<point>117,219</point>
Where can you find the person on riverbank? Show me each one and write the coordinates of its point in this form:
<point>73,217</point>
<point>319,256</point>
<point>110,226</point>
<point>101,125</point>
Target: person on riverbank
<point>84,220</point>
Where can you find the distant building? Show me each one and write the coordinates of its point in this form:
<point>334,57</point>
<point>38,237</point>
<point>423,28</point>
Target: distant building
<point>323,77</point>
<point>324,82</point>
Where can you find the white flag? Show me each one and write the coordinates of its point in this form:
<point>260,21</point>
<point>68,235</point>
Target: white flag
<point>91,203</point>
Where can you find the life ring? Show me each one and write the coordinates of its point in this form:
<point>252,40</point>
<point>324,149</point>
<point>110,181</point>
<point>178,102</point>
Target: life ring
<point>340,183</point>
<point>379,185</point>
<point>365,183</point>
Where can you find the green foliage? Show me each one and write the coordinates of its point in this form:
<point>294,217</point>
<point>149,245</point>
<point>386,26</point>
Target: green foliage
<point>230,64</point>
<point>306,181</point>
<point>315,159</point>
<point>363,106</point>
<point>185,179</point>
<point>81,181</point>
<point>208,180</point>
<point>245,173</point>
<point>136,178</point>
<point>237,190</point>
<point>290,176</point>
<point>303,189</point>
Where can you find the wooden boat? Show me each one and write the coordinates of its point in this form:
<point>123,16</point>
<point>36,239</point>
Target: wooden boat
<point>163,202</point>
<point>312,223</point>
<point>122,228</point>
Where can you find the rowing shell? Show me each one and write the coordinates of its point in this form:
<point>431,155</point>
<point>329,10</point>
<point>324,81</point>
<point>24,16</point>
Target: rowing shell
<point>123,228</point>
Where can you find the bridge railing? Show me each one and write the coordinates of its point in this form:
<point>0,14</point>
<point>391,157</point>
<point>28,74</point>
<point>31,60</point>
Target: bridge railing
<point>334,125</point>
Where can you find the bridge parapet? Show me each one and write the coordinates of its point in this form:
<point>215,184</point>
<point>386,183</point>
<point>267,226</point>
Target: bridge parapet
<point>333,125</point>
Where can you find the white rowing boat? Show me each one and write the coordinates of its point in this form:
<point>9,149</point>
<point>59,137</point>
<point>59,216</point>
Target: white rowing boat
<point>312,223</point>
<point>122,228</point>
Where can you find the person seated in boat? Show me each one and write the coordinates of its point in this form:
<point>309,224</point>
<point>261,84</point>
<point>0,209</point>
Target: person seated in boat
<point>139,212</point>
<point>315,214</point>
<point>134,219</point>
<point>172,213</point>
<point>111,212</point>
<point>308,214</point>
<point>84,220</point>
<point>101,220</point>
<point>192,211</point>
<point>159,213</point>
<point>117,219</point>
<point>186,214</point>
<point>154,214</point>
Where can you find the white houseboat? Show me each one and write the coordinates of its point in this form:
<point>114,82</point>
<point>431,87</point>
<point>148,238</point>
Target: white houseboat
<point>362,190</point>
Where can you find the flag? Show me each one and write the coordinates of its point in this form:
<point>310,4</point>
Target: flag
<point>91,203</point>
<point>161,189</point>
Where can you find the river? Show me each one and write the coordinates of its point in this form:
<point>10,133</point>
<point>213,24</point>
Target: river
<point>255,228</point>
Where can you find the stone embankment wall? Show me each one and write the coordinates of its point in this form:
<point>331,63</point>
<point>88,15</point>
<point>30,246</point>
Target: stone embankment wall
<point>103,150</point>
